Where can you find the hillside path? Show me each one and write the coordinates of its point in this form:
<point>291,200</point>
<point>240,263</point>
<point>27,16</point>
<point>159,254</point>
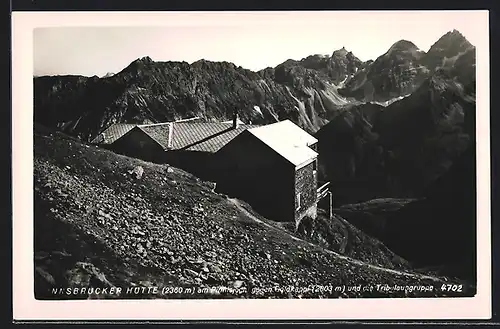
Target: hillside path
<point>236,203</point>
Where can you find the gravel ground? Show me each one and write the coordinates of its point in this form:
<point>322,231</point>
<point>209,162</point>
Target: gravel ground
<point>101,221</point>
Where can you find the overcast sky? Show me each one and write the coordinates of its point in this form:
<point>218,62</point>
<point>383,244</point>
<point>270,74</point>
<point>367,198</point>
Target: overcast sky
<point>252,40</point>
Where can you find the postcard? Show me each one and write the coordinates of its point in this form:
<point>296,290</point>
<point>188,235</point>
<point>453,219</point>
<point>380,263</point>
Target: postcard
<point>251,165</point>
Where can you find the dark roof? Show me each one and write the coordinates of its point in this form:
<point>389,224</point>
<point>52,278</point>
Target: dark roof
<point>187,134</point>
<point>113,132</point>
<point>158,132</point>
<point>117,130</point>
<point>206,136</point>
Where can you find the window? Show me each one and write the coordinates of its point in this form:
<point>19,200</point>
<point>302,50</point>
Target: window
<point>298,201</point>
<point>315,169</point>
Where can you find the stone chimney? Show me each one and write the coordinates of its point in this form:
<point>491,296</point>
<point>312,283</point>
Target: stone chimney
<point>236,123</point>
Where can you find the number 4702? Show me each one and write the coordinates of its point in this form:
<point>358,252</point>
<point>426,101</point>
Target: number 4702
<point>452,287</point>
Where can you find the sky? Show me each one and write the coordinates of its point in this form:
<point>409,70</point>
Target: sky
<point>254,40</point>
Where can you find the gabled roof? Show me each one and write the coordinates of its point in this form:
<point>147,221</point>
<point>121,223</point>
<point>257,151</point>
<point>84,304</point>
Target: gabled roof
<point>155,130</point>
<point>158,132</point>
<point>206,136</point>
<point>189,134</point>
<point>113,132</point>
<point>288,140</point>
<point>284,137</point>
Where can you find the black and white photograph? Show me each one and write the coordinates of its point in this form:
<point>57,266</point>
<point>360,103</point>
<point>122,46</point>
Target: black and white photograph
<point>294,155</point>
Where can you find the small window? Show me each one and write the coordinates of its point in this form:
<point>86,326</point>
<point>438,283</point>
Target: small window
<point>315,164</point>
<point>298,201</point>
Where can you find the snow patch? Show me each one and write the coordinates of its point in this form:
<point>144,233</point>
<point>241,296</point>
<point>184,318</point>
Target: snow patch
<point>257,109</point>
<point>390,101</point>
<point>341,83</point>
<point>299,103</point>
<point>265,85</point>
<point>333,97</point>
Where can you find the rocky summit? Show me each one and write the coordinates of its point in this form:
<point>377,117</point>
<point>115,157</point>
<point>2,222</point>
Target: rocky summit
<point>449,47</point>
<point>404,67</point>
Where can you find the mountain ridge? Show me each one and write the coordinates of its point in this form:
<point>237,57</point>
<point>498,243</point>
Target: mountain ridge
<point>402,69</point>
<point>310,92</point>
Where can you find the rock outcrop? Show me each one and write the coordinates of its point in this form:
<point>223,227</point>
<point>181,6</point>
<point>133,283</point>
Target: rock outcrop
<point>404,67</point>
<point>371,151</point>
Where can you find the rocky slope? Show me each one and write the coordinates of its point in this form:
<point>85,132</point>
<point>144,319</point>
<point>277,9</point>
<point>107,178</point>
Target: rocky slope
<point>371,151</point>
<point>443,224</point>
<point>436,232</point>
<point>101,222</point>
<point>371,216</point>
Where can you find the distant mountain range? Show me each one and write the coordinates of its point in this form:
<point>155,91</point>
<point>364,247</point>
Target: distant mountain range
<point>307,91</point>
<point>390,126</point>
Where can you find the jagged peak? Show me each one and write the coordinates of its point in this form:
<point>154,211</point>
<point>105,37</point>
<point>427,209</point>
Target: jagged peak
<point>453,34</point>
<point>135,64</point>
<point>403,45</point>
<point>450,37</point>
<point>141,60</point>
<point>208,61</point>
<point>145,59</point>
<point>456,33</point>
<point>316,56</point>
<point>202,60</point>
<point>289,62</point>
<point>342,52</point>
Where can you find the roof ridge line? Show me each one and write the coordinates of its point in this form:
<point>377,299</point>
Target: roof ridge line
<point>185,120</point>
<point>152,124</point>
